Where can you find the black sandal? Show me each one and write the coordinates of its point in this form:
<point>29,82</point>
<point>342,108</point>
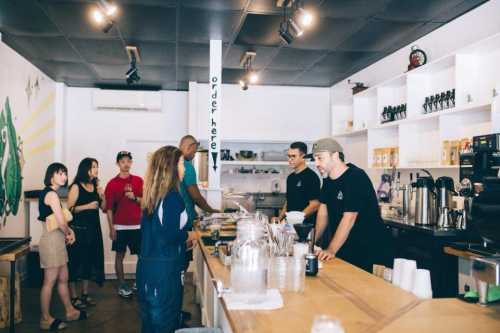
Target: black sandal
<point>78,303</point>
<point>82,316</point>
<point>54,326</point>
<point>87,301</point>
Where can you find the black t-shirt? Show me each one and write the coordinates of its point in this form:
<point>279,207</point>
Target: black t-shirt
<point>301,188</point>
<point>353,192</point>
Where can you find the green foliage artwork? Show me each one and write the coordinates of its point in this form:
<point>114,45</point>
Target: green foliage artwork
<point>11,163</point>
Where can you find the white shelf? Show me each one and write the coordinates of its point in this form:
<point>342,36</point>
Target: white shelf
<point>389,124</point>
<point>472,107</point>
<point>430,166</point>
<point>262,141</point>
<point>436,65</point>
<point>352,133</point>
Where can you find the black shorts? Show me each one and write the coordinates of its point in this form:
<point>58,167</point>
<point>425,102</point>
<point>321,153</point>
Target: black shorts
<point>130,238</point>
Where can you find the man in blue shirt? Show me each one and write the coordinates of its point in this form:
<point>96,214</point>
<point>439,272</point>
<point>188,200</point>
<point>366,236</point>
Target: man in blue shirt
<point>189,186</point>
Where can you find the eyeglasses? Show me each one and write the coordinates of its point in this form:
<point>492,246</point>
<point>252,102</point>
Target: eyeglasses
<point>124,152</point>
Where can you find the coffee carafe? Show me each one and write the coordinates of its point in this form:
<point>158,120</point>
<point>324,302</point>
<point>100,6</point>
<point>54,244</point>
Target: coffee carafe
<point>444,193</point>
<point>425,201</point>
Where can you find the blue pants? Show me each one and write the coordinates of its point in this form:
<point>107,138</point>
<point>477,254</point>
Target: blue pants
<point>160,295</point>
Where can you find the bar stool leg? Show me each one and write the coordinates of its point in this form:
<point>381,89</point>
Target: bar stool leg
<point>12,293</point>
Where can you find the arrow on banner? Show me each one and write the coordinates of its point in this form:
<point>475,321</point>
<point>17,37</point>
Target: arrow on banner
<point>214,158</point>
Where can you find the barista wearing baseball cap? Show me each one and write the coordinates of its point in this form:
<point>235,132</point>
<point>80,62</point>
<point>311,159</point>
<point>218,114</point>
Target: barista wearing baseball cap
<point>348,224</point>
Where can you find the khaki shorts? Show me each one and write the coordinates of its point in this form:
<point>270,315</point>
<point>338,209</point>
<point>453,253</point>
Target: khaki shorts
<point>52,248</point>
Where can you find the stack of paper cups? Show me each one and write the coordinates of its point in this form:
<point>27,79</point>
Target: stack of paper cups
<point>422,284</point>
<point>407,275</point>
<point>387,274</point>
<point>397,269</point>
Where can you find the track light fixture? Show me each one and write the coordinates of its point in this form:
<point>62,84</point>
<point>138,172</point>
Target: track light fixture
<point>293,23</point>
<point>250,76</point>
<point>132,75</point>
<point>104,14</point>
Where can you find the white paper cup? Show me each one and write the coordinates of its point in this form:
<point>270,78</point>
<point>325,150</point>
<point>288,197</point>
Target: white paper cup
<point>397,269</point>
<point>422,287</point>
<point>300,250</point>
<point>295,217</point>
<point>407,275</point>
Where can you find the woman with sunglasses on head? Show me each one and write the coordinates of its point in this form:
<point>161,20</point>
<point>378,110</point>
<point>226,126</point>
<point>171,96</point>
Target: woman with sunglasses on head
<point>86,258</point>
<point>163,245</point>
<point>52,250</point>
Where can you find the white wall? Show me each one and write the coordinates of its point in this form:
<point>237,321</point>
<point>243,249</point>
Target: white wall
<point>31,97</point>
<point>101,134</point>
<point>265,112</point>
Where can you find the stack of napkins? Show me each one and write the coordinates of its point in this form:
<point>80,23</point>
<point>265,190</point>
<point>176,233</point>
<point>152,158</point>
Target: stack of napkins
<point>271,300</point>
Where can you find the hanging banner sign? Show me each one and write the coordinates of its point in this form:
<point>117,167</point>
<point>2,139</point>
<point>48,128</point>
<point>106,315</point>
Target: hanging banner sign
<point>215,87</point>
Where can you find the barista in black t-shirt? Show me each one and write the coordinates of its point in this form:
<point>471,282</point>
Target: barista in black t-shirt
<point>302,185</point>
<point>349,221</point>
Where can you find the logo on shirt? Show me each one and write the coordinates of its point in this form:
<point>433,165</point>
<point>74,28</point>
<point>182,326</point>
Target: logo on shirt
<point>340,195</point>
<point>299,183</point>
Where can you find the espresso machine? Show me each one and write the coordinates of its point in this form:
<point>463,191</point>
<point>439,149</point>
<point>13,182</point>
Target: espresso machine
<point>483,161</point>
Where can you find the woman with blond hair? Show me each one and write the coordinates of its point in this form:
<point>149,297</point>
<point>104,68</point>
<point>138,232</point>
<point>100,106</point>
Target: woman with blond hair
<point>163,245</point>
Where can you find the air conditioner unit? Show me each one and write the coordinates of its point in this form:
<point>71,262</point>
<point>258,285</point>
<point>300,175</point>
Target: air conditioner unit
<point>126,100</point>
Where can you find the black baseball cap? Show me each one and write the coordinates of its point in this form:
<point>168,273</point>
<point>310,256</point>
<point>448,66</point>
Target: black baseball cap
<point>123,154</point>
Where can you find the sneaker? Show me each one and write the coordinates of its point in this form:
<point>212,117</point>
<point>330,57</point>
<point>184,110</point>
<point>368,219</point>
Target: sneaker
<point>124,291</point>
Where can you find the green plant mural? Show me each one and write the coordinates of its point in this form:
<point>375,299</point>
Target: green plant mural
<point>11,164</point>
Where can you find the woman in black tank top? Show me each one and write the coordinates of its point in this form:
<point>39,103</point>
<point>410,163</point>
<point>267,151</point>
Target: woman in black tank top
<point>86,258</point>
<point>52,250</point>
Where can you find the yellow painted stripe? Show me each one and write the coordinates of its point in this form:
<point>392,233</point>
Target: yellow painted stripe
<point>33,136</point>
<point>41,108</point>
<point>48,145</point>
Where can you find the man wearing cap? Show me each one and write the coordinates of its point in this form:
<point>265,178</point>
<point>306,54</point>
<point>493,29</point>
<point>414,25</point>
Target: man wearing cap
<point>348,225</point>
<point>123,209</point>
<point>302,185</point>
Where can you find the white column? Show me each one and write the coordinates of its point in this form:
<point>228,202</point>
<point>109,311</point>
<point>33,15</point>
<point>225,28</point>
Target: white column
<point>495,111</point>
<point>193,127</point>
<point>214,134</point>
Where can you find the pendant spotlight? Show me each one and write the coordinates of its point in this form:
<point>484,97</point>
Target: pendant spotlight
<point>132,75</point>
<point>250,76</point>
<point>103,15</point>
<point>293,23</point>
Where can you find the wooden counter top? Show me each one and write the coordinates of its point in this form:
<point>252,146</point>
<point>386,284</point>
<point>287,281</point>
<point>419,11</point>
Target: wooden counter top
<point>362,303</point>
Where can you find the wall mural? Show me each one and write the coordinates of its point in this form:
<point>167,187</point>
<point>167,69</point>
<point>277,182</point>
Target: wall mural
<point>11,165</point>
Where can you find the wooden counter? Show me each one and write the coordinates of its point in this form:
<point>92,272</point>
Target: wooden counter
<point>361,301</point>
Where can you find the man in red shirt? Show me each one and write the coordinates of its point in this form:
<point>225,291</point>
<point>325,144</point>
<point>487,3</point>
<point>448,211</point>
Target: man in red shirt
<point>123,208</point>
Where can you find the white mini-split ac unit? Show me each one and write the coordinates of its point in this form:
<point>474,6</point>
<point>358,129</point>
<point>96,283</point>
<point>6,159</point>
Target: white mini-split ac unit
<point>126,100</point>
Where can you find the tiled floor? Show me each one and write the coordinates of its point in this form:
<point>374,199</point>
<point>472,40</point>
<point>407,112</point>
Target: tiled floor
<point>112,313</point>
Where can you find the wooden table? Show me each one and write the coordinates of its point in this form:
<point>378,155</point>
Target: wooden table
<point>361,301</point>
<point>12,258</point>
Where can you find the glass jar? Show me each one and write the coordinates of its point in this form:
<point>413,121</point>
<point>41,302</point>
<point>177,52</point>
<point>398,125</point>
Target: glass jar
<point>249,259</point>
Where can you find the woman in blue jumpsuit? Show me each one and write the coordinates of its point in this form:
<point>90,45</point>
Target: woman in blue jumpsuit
<point>164,236</point>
